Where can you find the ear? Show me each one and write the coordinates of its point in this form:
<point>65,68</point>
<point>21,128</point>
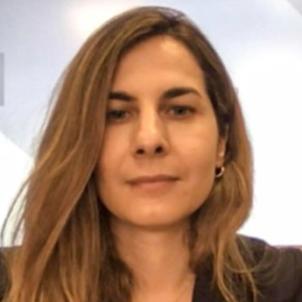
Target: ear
<point>221,149</point>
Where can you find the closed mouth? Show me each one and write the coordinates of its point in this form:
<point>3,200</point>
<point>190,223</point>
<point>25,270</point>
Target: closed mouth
<point>152,179</point>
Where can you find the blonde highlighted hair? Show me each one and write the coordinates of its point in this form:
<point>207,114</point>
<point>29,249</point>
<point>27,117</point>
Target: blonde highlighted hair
<point>67,252</point>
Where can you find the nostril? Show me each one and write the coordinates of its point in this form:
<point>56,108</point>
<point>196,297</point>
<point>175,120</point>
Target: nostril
<point>156,150</point>
<point>159,149</point>
<point>140,151</point>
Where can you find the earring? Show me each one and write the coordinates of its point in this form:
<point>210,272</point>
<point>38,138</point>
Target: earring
<point>219,171</point>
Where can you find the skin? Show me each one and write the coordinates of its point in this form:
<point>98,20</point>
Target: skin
<point>153,127</point>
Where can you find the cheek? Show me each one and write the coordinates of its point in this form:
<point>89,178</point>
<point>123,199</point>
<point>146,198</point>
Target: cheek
<point>199,148</point>
<point>201,157</point>
<point>113,153</point>
<point>200,166</point>
<point>106,166</point>
<point>199,162</point>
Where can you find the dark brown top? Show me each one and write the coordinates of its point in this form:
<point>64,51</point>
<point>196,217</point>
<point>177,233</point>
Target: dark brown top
<point>278,276</point>
<point>284,263</point>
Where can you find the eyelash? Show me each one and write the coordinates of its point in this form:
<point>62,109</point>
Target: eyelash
<point>187,109</point>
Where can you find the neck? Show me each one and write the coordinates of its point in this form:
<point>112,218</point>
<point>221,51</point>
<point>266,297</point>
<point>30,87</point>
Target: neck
<point>159,259</point>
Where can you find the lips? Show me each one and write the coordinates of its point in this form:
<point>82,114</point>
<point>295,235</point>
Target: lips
<point>149,179</point>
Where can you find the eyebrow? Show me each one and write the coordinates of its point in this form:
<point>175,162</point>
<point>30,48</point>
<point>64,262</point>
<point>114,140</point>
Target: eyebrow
<point>168,94</point>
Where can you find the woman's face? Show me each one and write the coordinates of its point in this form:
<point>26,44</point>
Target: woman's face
<point>161,143</point>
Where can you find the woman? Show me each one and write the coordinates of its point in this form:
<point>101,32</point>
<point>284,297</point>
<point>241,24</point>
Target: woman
<point>142,178</point>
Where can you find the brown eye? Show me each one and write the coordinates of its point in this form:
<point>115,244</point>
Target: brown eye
<point>117,115</point>
<point>181,111</point>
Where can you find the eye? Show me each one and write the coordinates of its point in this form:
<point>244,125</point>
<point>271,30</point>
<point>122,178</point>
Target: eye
<point>181,110</point>
<point>116,115</point>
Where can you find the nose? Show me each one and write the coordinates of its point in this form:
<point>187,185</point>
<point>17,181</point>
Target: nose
<point>150,136</point>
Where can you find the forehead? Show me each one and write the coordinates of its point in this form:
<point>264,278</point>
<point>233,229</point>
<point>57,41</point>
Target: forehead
<point>161,57</point>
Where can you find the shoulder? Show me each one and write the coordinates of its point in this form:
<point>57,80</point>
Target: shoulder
<point>278,271</point>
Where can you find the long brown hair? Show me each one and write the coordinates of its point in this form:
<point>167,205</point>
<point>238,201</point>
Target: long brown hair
<point>67,252</point>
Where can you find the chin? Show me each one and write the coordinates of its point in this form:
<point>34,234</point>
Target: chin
<point>154,220</point>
